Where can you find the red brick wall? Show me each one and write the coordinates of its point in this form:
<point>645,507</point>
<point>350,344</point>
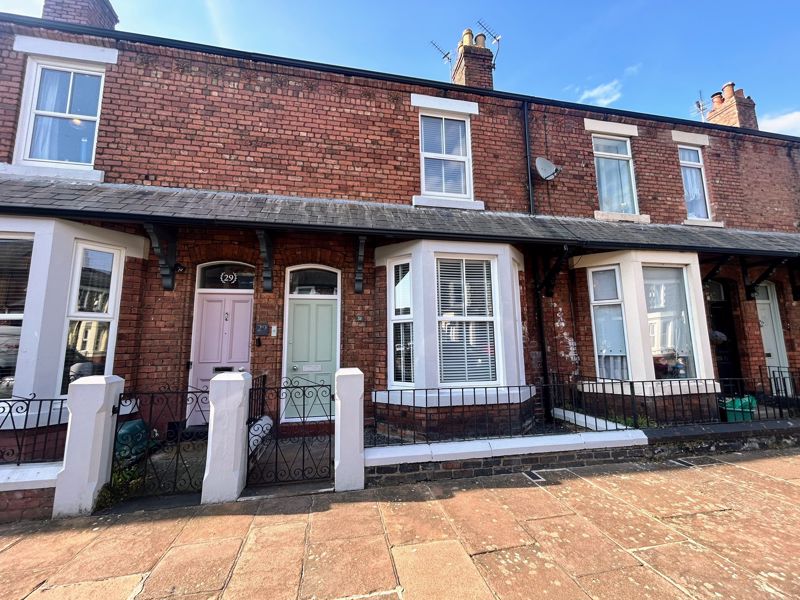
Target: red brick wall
<point>95,13</point>
<point>186,119</point>
<point>26,504</point>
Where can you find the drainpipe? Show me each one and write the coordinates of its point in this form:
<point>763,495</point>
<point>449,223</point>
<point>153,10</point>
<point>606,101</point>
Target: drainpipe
<point>526,110</point>
<point>539,307</point>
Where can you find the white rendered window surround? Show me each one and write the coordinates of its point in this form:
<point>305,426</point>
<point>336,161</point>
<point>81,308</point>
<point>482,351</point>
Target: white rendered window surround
<point>631,265</point>
<point>445,153</point>
<point>59,118</point>
<point>42,341</point>
<point>423,257</point>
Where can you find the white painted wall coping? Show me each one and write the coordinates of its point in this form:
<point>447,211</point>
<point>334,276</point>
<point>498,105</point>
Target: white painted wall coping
<point>539,444</point>
<point>34,476</point>
<point>466,396</point>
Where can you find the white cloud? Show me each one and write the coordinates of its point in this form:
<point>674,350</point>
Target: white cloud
<point>632,70</point>
<point>604,94</point>
<point>216,17</point>
<point>788,123</point>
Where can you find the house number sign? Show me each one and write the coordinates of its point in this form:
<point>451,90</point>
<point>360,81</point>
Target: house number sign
<point>228,277</point>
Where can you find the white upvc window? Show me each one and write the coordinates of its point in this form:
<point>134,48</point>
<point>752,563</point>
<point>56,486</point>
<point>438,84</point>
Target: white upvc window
<point>608,323</point>
<point>59,115</point>
<point>92,312</point>
<point>616,184</point>
<point>15,266</point>
<point>401,322</point>
<point>466,321</point>
<point>446,156</point>
<point>695,191</point>
<point>648,315</point>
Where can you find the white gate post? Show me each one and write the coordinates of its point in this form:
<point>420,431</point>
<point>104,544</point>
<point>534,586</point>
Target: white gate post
<point>349,440</point>
<point>90,443</point>
<point>226,458</point>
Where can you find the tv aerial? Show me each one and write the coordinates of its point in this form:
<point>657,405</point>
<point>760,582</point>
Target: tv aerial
<point>546,169</point>
<point>495,39</point>
<point>700,107</point>
<point>446,56</point>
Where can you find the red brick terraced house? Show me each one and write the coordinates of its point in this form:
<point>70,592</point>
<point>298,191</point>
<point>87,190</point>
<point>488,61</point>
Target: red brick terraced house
<point>170,210</point>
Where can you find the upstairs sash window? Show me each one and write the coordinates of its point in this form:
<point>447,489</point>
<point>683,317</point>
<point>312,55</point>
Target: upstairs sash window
<point>614,165</point>
<point>694,186</point>
<point>445,156</point>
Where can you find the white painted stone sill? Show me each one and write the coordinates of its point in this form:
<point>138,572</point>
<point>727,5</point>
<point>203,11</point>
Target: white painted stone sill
<point>433,202</point>
<point>29,476</point>
<point>442,451</point>
<point>703,223</point>
<point>53,172</point>
<point>602,215</point>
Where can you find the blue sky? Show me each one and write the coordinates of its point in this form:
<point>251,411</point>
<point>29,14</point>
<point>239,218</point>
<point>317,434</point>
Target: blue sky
<point>638,55</point>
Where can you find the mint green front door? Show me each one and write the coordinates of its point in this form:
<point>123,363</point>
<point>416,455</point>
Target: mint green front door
<point>312,356</point>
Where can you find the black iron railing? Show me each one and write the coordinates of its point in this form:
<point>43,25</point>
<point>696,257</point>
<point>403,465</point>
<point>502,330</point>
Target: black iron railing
<point>420,416</point>
<point>574,403</point>
<point>32,430</point>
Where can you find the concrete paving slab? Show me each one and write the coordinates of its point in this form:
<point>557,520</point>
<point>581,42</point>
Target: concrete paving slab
<point>635,583</point>
<point>334,518</point>
<point>15,585</point>
<point>116,588</point>
<point>441,570</point>
<point>577,546</point>
<point>191,569</point>
<point>411,516</point>
<point>291,509</point>
<point>132,545</point>
<point>480,519</point>
<point>705,574</point>
<point>347,567</point>
<point>525,499</point>
<point>513,574</point>
<point>218,521</point>
<point>270,564</point>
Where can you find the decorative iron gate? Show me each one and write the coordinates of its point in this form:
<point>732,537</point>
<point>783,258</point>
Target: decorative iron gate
<point>160,444</point>
<point>290,432</point>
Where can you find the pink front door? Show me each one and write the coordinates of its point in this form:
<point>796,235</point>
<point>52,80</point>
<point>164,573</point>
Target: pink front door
<point>221,340</point>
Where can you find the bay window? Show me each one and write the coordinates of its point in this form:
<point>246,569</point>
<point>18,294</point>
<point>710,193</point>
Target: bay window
<point>15,264</point>
<point>648,315</point>
<point>402,324</point>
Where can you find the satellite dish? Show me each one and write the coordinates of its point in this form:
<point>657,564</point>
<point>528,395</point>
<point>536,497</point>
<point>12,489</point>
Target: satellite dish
<point>546,169</point>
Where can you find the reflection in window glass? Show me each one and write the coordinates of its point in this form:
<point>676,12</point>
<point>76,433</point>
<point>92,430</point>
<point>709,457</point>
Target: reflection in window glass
<point>402,289</point>
<point>227,276</point>
<point>668,321</point>
<point>87,348</point>
<point>15,263</point>
<point>313,282</point>
<point>95,282</point>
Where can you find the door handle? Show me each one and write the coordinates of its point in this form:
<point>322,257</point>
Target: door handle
<point>294,367</point>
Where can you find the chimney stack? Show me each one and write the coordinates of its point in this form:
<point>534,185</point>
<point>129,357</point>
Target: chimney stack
<point>732,107</point>
<point>474,63</point>
<point>94,13</point>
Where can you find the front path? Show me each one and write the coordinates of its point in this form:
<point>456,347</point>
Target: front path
<point>723,528</point>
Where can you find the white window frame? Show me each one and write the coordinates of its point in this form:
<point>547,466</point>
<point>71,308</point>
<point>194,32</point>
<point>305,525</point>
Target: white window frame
<point>498,341</point>
<point>620,301</point>
<point>628,157</point>
<point>702,166</point>
<point>631,264</point>
<point>467,159</point>
<point>111,316</point>
<point>393,319</point>
<point>28,237</point>
<point>28,112</point>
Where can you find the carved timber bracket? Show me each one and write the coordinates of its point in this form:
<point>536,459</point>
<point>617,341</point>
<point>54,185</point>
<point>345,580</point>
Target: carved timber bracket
<point>165,245</point>
<point>267,259</point>
<point>750,285</point>
<point>359,279</point>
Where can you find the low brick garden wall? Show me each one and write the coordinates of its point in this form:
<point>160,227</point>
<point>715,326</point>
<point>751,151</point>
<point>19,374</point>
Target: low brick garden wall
<point>26,504</point>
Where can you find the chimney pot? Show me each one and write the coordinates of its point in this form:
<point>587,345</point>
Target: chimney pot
<point>717,99</point>
<point>480,40</point>
<point>474,63</point>
<point>466,37</point>
<point>727,90</point>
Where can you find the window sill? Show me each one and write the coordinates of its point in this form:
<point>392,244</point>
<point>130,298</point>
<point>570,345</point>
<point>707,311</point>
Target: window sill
<point>431,202</point>
<point>443,397</point>
<point>703,223</point>
<point>78,174</point>
<point>602,215</point>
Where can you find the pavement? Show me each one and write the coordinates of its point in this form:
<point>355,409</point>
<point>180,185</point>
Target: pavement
<point>724,527</point>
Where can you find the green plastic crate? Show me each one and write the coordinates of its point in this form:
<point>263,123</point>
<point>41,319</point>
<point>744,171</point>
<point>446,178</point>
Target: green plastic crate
<point>737,410</point>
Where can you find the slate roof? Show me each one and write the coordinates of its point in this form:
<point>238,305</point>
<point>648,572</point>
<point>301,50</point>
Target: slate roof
<point>137,203</point>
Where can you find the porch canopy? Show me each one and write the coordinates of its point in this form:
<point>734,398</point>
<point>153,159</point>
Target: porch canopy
<point>180,206</point>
